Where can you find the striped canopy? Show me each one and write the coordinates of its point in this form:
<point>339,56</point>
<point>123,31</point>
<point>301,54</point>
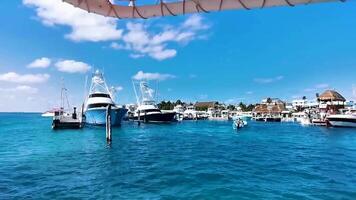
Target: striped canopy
<point>173,8</point>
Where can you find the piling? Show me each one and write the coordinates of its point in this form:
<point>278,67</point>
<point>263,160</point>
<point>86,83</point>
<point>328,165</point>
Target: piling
<point>108,124</point>
<point>138,118</point>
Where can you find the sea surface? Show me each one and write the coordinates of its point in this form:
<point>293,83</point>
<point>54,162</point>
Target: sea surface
<point>188,160</point>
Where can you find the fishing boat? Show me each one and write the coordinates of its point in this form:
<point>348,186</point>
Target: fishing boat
<point>147,110</point>
<point>342,120</point>
<point>97,101</point>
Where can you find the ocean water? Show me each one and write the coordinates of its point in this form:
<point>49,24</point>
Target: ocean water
<point>188,160</point>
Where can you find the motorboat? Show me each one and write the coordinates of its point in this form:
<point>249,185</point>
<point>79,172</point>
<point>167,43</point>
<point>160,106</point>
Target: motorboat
<point>147,111</point>
<point>239,123</point>
<point>98,101</point>
<point>342,120</point>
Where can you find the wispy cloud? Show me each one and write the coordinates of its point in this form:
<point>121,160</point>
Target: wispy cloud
<point>24,78</point>
<point>249,92</point>
<point>84,26</point>
<point>268,80</point>
<point>317,87</point>
<point>152,76</point>
<point>21,88</point>
<point>40,63</point>
<point>155,44</point>
<point>135,37</point>
<point>72,66</point>
<point>354,91</point>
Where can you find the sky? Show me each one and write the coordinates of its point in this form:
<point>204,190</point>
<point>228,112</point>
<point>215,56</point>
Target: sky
<point>229,56</point>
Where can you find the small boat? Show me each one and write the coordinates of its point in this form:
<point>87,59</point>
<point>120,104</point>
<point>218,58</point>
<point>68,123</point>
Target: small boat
<point>98,100</point>
<point>65,120</point>
<point>239,123</point>
<point>147,110</point>
<point>342,120</point>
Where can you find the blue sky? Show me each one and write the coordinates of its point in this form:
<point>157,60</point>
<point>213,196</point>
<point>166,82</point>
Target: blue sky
<point>228,56</point>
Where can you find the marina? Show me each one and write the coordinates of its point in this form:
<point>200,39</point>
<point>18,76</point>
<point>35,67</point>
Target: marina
<point>192,99</point>
<point>209,159</point>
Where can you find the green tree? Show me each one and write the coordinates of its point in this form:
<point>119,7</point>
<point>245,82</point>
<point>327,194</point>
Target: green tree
<point>231,107</point>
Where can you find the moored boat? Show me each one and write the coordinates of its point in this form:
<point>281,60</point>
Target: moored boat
<point>98,100</point>
<point>342,120</point>
<point>147,110</point>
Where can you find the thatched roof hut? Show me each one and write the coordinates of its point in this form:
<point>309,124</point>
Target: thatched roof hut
<point>331,95</point>
<point>265,109</point>
<point>209,104</point>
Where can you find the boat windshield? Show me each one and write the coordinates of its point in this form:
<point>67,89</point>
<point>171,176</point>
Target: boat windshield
<point>98,105</point>
<point>99,95</point>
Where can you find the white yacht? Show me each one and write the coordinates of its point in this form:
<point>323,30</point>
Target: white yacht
<point>147,110</point>
<point>342,120</point>
<point>97,102</point>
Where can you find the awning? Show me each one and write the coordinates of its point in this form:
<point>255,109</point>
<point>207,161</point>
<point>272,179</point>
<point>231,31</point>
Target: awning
<point>106,8</point>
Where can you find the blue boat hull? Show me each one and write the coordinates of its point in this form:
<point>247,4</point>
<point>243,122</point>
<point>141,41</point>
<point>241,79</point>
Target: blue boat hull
<point>97,116</point>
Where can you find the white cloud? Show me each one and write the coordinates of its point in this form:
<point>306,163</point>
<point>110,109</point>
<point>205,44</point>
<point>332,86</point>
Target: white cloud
<point>354,91</point>
<point>40,63</point>
<point>22,89</point>
<point>72,66</point>
<point>152,76</point>
<point>268,80</point>
<point>195,22</point>
<point>119,88</point>
<point>249,92</point>
<point>24,78</point>
<point>84,26</point>
<point>143,42</point>
<point>136,38</point>
<point>136,55</point>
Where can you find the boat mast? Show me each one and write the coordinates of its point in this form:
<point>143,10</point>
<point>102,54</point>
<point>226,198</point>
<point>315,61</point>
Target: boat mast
<point>137,98</point>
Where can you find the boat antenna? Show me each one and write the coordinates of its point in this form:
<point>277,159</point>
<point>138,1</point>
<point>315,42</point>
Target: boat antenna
<point>134,87</point>
<point>156,92</point>
<point>85,87</point>
<point>64,94</point>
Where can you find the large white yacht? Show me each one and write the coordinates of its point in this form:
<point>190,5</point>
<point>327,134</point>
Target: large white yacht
<point>147,110</point>
<point>347,119</point>
<point>98,100</point>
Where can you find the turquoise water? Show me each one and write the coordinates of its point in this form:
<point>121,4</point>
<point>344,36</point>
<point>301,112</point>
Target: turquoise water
<point>189,160</point>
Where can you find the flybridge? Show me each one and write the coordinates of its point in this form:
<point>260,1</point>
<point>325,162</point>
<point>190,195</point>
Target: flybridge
<point>179,7</point>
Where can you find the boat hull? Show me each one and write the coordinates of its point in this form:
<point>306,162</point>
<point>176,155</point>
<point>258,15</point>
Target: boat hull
<point>97,116</point>
<point>156,117</point>
<point>342,122</point>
